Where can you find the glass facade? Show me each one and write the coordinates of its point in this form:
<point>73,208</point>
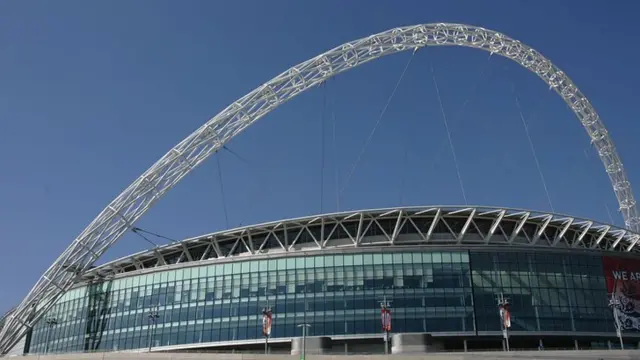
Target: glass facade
<point>548,292</point>
<point>338,294</point>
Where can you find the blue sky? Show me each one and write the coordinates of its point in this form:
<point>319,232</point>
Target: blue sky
<point>92,93</point>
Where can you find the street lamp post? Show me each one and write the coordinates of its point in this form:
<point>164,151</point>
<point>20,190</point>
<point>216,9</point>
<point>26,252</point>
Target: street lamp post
<point>385,315</point>
<point>267,317</point>
<point>613,304</point>
<point>304,340</point>
<point>153,317</point>
<point>51,322</point>
<point>505,318</point>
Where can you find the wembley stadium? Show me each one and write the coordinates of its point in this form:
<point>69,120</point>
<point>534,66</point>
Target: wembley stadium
<point>450,278</point>
<point>440,267</point>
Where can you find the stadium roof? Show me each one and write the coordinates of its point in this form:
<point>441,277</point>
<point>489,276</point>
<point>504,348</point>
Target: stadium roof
<point>414,226</point>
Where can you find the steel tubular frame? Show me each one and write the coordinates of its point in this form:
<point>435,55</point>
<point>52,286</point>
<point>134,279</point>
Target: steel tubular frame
<point>435,226</point>
<point>120,215</point>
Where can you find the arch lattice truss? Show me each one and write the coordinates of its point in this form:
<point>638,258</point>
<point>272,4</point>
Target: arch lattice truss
<point>120,215</point>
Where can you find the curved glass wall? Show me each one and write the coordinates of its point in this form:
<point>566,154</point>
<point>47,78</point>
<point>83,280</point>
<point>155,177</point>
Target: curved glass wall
<point>337,294</point>
<point>548,292</point>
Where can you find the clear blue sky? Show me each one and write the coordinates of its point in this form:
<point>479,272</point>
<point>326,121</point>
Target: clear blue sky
<point>92,93</point>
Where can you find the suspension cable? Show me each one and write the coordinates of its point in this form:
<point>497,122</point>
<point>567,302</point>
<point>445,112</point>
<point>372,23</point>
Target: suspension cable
<point>263,183</point>
<point>384,110</point>
<point>236,155</point>
<point>322,121</point>
<point>139,230</point>
<point>224,203</point>
<point>609,214</point>
<point>533,150</point>
<point>446,125</point>
<point>135,231</point>
<point>403,173</point>
<point>458,120</point>
<point>335,152</point>
<point>405,161</point>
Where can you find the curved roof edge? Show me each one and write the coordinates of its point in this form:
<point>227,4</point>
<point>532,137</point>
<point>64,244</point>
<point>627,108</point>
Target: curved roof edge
<point>437,225</point>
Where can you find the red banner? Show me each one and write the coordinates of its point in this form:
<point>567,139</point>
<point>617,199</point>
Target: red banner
<point>623,286</point>
<point>505,315</point>
<point>385,316</point>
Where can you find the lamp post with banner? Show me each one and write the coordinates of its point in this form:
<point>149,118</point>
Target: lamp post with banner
<point>385,317</point>
<point>153,323</point>
<point>505,318</point>
<point>614,303</point>
<point>267,319</point>
<point>51,322</point>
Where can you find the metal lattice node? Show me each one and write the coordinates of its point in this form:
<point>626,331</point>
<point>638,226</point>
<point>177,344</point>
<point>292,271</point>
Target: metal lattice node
<point>120,215</point>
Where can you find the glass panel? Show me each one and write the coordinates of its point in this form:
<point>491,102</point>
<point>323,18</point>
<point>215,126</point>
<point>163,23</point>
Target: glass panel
<point>227,269</point>
<point>348,260</point>
<point>245,267</point>
<point>308,262</point>
<point>329,261</point>
<point>273,265</point>
<point>255,267</point>
<point>291,263</point>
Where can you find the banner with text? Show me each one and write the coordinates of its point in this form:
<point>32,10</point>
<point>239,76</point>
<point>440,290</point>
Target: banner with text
<point>623,286</point>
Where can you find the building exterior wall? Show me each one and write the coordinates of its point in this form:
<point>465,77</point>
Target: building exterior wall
<point>441,292</point>
<point>548,292</point>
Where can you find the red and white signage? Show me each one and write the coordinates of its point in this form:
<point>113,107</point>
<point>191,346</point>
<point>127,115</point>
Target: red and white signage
<point>623,284</point>
<point>505,316</point>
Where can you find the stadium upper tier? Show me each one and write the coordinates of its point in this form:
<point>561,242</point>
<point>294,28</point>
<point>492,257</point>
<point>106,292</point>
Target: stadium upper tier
<point>466,226</point>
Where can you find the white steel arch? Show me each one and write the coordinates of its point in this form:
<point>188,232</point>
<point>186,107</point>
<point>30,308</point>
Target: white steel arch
<point>120,215</point>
